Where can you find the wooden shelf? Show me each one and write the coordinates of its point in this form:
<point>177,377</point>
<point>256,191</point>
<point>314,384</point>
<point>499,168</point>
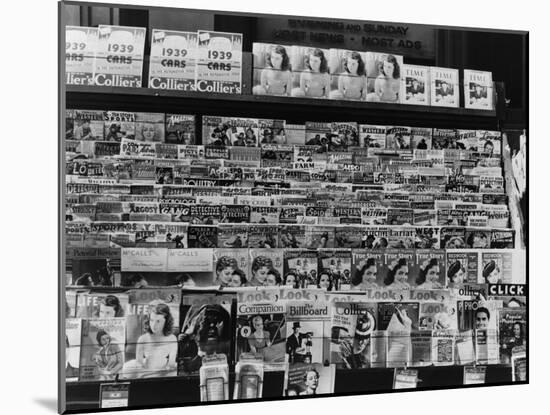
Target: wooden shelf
<point>291,109</point>
<point>184,391</point>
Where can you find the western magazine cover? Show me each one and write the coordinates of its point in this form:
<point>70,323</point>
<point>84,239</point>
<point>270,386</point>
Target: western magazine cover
<point>219,62</point>
<point>172,60</point>
<point>119,56</point>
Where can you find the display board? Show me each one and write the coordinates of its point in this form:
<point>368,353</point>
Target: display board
<point>245,220</point>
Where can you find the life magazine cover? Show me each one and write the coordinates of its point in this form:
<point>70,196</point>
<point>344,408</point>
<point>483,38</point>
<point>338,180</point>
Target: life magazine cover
<point>272,69</point>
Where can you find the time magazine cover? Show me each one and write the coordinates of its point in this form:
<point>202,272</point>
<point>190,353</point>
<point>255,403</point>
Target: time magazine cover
<point>80,51</point>
<point>478,90</point>
<point>261,329</point>
<point>310,72</point>
<point>444,85</point>
<point>347,75</point>
<point>307,322</point>
<point>218,64</point>
<point>415,85</point>
<point>172,60</point>
<point>272,69</point>
<point>352,328</point>
<point>383,77</point>
<point>125,68</point>
<point>206,329</point>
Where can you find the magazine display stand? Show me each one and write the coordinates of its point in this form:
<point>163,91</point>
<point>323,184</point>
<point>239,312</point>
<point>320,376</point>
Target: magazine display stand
<point>170,391</point>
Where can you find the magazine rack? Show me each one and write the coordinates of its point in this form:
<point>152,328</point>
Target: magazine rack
<point>178,391</point>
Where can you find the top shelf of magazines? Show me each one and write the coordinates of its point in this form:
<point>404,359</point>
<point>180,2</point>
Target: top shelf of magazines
<point>212,65</point>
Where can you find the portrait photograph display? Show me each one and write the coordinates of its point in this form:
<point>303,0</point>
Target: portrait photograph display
<point>247,215</point>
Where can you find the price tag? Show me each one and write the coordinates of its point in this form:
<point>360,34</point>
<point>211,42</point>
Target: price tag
<point>80,49</point>
<point>405,379</point>
<point>219,62</point>
<point>474,375</point>
<point>172,64</point>
<point>114,395</point>
<point>119,57</point>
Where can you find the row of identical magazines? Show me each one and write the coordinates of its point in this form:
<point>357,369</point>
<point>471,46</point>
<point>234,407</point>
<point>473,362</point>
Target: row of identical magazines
<point>329,269</point>
<point>205,61</point>
<point>339,74</point>
<point>181,129</point>
<point>209,61</point>
<point>307,334</point>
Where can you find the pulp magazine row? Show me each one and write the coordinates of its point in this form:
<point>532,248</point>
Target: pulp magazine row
<point>223,131</point>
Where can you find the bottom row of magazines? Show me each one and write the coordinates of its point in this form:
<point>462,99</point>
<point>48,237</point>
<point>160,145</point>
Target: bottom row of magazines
<point>301,379</point>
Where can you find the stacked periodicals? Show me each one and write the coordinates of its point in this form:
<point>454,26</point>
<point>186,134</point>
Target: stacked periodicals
<point>204,247</point>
